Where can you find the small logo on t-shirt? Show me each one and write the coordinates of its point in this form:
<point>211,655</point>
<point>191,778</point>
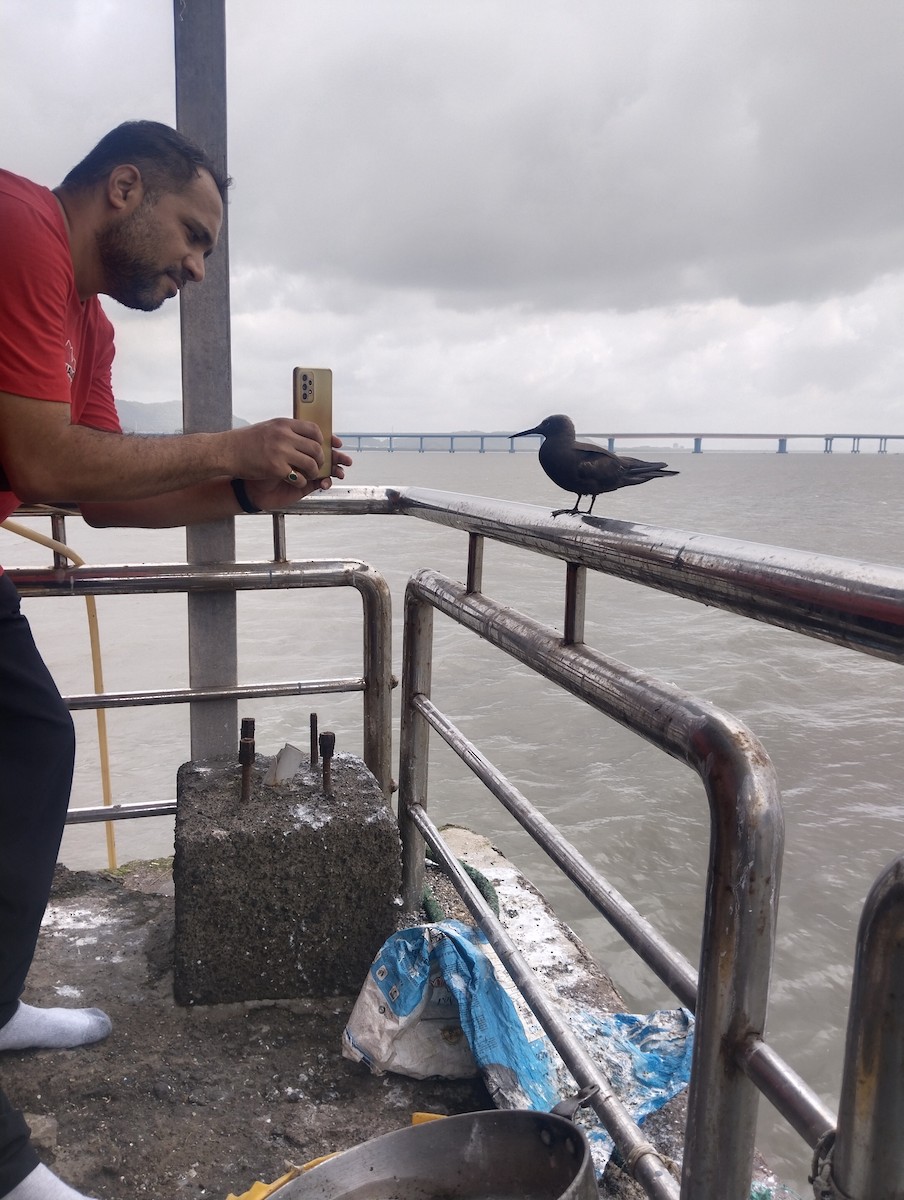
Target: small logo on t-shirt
<point>70,361</point>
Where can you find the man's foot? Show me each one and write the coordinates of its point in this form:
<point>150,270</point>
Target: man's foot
<point>53,1028</point>
<point>42,1184</point>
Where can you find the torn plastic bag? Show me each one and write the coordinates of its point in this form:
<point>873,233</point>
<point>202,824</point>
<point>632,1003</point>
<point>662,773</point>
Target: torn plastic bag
<point>405,1018</point>
<point>394,1026</point>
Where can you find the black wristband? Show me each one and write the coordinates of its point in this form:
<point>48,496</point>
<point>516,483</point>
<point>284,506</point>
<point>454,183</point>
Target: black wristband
<point>244,501</point>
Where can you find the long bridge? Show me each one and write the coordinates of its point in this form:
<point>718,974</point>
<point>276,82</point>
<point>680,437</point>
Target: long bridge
<point>483,443</point>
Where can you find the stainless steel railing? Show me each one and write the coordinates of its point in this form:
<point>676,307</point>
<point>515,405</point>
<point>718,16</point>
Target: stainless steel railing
<point>866,1156</point>
<point>375,682</point>
<point>851,604</point>
<point>747,832</point>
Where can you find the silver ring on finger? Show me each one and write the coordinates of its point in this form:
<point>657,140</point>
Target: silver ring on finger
<point>292,477</point>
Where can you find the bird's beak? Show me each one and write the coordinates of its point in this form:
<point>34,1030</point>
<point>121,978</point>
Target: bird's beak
<point>524,432</point>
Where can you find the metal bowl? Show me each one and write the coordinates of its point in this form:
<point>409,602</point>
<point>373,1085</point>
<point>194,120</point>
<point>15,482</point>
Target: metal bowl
<point>494,1155</point>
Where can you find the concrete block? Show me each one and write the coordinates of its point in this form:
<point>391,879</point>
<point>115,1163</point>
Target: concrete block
<point>290,894</point>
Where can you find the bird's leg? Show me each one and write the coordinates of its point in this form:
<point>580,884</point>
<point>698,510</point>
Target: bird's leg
<point>557,512</point>
<point>592,502</point>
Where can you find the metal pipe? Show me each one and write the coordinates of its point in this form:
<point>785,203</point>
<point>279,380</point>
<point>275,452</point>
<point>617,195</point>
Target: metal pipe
<point>844,601</point>
<point>199,35</point>
<point>790,1095</point>
<point>744,867</point>
<point>58,533</point>
<point>850,603</point>
<point>414,743</point>
<point>343,501</point>
<point>184,577</point>
<point>475,563</point>
<point>575,603</point>
<point>280,553</point>
<point>315,752</point>
<point>248,691</point>
<point>144,579</point>
<point>867,1159</point>
<point>327,744</point>
<point>379,680</point>
<point>671,966</point>
<point>246,756</point>
<point>119,812</point>
<point>738,937</point>
<point>649,1169</point>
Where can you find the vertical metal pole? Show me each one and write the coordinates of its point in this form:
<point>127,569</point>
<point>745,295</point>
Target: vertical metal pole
<point>200,48</point>
<point>414,742</point>
<point>746,844</point>
<point>475,562</point>
<point>868,1157</point>
<point>575,602</point>
<point>377,601</point>
<point>58,533</point>
<point>280,553</point>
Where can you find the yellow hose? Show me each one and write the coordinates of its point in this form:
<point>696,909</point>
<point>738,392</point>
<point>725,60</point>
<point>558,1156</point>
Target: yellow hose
<point>94,635</point>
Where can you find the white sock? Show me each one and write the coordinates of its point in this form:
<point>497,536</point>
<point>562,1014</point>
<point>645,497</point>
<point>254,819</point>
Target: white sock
<point>42,1184</point>
<point>53,1028</point>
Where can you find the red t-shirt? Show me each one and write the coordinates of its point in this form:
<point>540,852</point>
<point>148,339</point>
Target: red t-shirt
<point>52,346</point>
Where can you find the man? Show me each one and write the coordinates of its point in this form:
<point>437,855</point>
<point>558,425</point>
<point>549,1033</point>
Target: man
<point>135,220</point>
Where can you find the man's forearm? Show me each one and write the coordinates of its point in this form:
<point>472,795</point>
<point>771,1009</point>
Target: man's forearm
<point>45,457</point>
<point>87,464</point>
<point>210,501</point>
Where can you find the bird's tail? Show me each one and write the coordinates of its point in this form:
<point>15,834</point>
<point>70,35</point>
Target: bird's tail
<point>642,472</point>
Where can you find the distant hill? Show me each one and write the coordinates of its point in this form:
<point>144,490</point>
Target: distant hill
<point>165,417</point>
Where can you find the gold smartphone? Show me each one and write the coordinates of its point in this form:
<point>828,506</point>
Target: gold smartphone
<point>312,393</point>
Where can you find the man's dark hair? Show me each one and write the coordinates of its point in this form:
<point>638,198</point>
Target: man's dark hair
<point>167,160</point>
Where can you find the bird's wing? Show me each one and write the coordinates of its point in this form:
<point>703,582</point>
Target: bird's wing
<point>581,467</point>
<point>591,448</point>
<point>635,464</point>
<point>595,466</point>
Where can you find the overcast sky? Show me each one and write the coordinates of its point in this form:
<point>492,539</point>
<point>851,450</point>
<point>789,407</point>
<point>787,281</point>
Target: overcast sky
<point>654,216</point>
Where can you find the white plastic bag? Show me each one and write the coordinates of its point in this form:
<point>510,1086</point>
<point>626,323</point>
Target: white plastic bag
<point>405,1018</point>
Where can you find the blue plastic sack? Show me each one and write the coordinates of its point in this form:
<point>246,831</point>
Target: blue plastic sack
<point>647,1058</point>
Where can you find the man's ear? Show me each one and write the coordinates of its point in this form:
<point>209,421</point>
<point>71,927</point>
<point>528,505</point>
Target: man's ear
<point>125,188</point>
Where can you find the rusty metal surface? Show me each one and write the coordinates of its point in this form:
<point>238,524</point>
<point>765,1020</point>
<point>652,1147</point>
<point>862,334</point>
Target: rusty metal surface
<point>747,833</point>
<point>376,681</point>
<point>850,603</point>
<point>868,1159</point>
<point>649,1167</point>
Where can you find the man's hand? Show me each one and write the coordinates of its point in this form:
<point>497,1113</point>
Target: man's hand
<point>46,458</point>
<point>280,493</point>
<point>271,450</point>
<point>208,501</point>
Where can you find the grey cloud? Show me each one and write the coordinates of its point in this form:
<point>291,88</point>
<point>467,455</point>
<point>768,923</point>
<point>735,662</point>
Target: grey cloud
<point>637,212</point>
<point>584,162</point>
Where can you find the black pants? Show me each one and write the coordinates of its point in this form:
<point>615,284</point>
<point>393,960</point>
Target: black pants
<point>37,752</point>
<point>17,1156</point>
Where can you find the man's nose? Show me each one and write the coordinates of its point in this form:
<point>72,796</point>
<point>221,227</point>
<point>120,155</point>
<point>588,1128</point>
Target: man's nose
<point>193,266</point>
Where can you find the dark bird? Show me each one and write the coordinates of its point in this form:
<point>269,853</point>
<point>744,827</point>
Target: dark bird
<point>584,467</point>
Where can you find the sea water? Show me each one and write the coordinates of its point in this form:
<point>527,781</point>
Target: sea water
<point>830,719</point>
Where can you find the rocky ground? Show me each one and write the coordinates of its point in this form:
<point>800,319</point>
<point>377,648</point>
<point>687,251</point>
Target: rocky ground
<point>204,1100</point>
<point>187,1101</point>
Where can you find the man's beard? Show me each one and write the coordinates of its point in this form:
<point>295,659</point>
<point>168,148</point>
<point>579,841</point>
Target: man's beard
<point>127,254</point>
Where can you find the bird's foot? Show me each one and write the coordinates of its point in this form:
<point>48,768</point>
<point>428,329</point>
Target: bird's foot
<point>572,512</point>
